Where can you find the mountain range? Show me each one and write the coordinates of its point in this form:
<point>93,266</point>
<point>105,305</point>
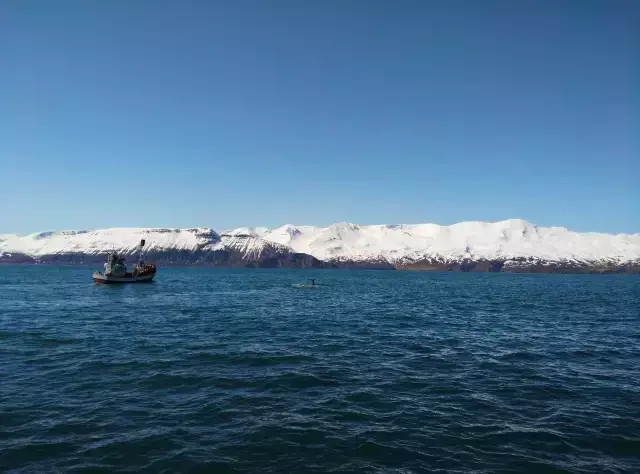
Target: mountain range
<point>509,246</point>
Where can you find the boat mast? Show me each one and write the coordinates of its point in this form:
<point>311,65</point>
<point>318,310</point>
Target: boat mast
<point>140,252</point>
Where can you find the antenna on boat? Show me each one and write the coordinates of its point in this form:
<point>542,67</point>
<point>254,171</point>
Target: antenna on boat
<point>140,251</point>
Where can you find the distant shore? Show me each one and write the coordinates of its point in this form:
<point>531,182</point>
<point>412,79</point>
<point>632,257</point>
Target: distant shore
<point>457,267</point>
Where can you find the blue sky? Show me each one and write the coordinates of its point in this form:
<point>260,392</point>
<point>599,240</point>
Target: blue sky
<point>222,114</point>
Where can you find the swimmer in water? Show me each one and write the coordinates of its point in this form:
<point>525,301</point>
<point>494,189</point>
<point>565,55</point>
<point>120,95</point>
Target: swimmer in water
<point>313,281</point>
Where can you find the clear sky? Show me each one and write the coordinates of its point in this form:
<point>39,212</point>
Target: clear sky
<point>253,112</point>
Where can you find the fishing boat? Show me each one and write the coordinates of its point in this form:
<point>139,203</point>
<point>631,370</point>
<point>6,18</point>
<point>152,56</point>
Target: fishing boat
<point>115,270</point>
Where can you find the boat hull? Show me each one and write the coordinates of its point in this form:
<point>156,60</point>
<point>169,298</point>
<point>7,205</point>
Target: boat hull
<point>101,278</point>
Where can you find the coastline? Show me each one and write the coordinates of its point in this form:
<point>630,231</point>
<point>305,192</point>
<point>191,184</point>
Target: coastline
<point>452,267</point>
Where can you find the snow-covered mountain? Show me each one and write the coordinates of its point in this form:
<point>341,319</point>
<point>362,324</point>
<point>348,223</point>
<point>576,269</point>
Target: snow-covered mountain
<point>511,245</point>
<point>422,245</point>
<point>186,246</point>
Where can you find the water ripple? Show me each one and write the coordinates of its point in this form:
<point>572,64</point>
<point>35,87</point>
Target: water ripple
<point>382,372</point>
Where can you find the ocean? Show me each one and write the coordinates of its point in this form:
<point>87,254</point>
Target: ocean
<point>249,371</point>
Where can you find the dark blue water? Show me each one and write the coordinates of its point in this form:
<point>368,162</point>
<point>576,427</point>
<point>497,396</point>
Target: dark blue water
<point>239,371</point>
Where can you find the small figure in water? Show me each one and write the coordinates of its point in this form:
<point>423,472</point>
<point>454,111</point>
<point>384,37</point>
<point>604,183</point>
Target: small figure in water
<point>313,281</point>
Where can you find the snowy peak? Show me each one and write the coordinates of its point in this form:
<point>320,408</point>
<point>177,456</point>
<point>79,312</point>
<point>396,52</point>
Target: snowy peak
<point>47,235</point>
<point>250,243</point>
<point>428,246</point>
<point>242,245</point>
<point>402,243</point>
<point>254,232</point>
<point>125,240</point>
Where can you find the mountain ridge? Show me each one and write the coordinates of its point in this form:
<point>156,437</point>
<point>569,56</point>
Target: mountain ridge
<point>509,245</point>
